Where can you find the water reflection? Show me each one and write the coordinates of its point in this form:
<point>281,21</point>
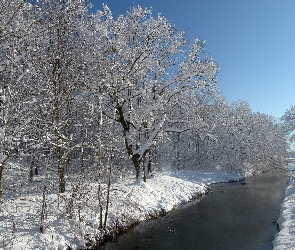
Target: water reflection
<point>239,215</point>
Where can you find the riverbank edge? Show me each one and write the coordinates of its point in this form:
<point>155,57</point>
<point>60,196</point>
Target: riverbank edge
<point>116,231</point>
<point>131,202</point>
<point>285,239</point>
<point>113,232</point>
<point>162,212</point>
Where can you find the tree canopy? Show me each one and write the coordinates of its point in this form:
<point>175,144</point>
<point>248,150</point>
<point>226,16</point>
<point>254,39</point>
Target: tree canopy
<point>81,90</point>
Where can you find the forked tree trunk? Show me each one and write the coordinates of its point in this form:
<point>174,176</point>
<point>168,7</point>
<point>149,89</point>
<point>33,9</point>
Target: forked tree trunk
<point>135,157</point>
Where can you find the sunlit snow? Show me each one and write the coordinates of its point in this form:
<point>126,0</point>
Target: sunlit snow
<point>130,201</point>
<point>285,239</point>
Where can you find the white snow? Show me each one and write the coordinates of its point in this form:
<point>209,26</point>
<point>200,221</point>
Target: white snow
<point>130,201</point>
<point>285,239</point>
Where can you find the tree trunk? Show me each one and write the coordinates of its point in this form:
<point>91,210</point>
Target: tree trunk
<point>1,179</point>
<point>32,169</point>
<point>43,211</point>
<point>125,125</point>
<point>100,205</point>
<point>2,174</point>
<point>62,183</point>
<point>136,163</point>
<point>61,171</point>
<point>144,170</point>
<point>149,165</point>
<point>108,194</point>
<point>82,158</point>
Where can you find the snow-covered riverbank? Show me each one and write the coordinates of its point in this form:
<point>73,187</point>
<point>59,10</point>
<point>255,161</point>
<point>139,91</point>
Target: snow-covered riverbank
<point>130,202</point>
<point>285,239</point>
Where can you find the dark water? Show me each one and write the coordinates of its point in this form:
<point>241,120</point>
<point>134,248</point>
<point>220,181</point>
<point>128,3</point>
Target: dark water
<point>235,216</point>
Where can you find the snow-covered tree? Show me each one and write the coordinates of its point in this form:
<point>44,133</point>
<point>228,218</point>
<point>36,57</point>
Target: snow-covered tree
<point>58,72</point>
<point>145,67</point>
<point>289,122</point>
<point>15,102</point>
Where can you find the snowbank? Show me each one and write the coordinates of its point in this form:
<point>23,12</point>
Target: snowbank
<point>130,202</point>
<point>285,239</point>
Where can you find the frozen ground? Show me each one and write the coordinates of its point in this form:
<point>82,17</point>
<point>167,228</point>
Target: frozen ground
<point>285,239</point>
<point>130,202</point>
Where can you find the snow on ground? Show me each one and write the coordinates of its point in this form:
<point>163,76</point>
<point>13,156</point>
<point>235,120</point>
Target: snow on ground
<point>285,239</point>
<point>130,201</point>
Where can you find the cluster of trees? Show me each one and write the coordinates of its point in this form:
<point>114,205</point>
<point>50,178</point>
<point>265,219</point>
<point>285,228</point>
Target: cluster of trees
<point>83,92</point>
<point>288,120</point>
<point>237,139</point>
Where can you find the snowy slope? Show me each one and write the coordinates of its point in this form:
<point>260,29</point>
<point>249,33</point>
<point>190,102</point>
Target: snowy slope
<point>130,202</point>
<point>285,239</point>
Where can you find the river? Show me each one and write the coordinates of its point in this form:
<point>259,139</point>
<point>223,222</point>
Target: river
<point>239,215</point>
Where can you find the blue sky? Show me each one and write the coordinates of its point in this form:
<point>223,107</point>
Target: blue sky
<point>253,42</point>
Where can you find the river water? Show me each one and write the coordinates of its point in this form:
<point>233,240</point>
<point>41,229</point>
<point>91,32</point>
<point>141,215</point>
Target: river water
<point>238,215</point>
